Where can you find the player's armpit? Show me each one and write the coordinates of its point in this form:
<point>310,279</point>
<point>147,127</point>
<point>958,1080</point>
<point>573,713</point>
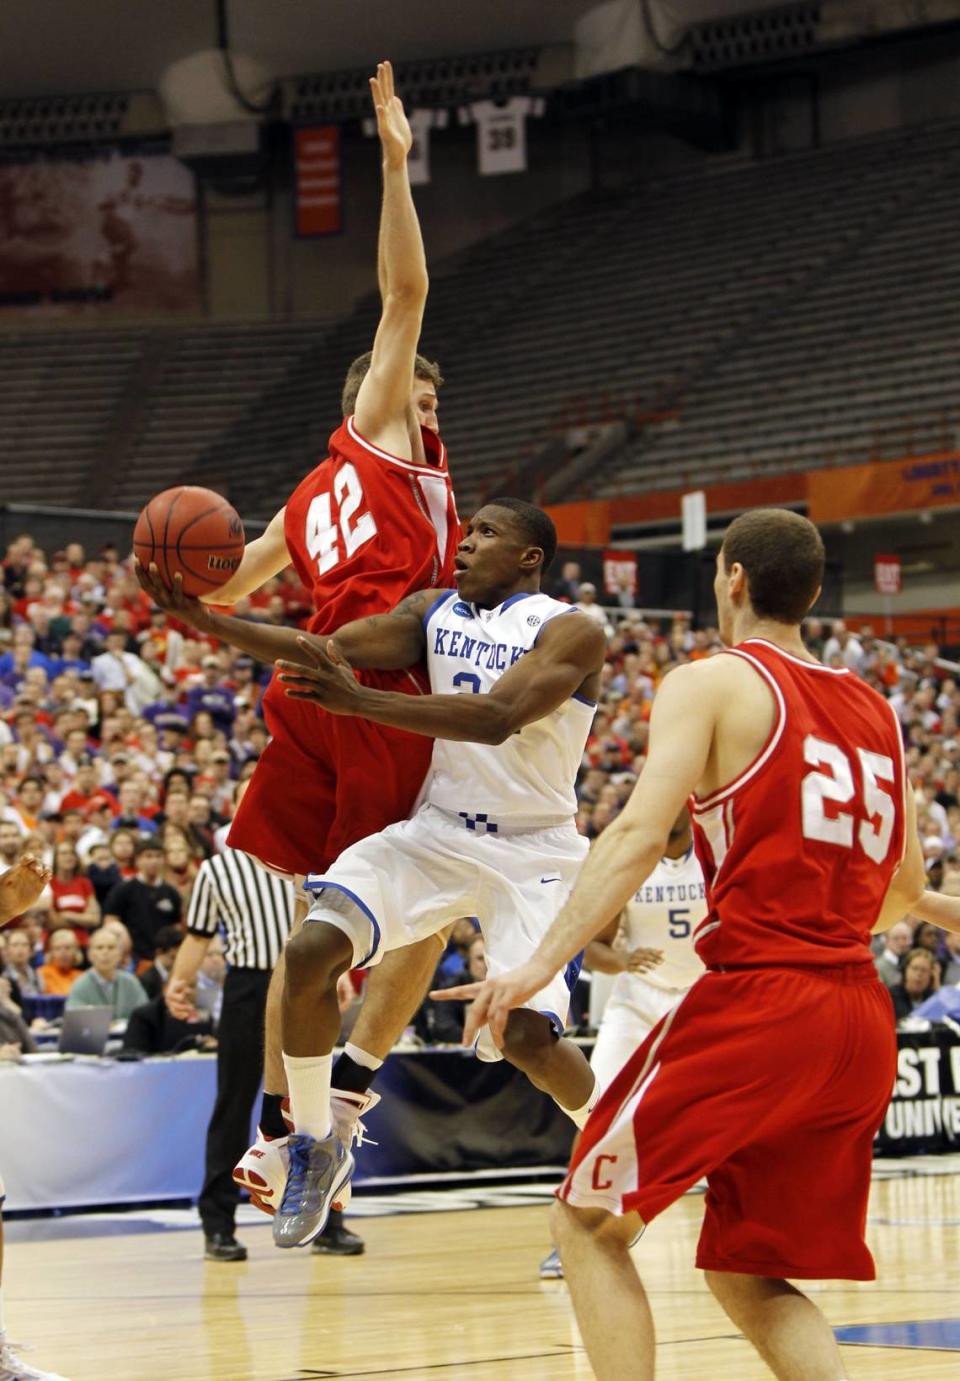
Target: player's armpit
<point>388,642</point>
<point>263,558</point>
<point>565,661</point>
<point>939,910</point>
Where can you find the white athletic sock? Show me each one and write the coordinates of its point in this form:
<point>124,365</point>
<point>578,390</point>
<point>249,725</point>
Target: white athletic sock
<point>362,1057</point>
<point>579,1115</point>
<point>308,1079</point>
<point>3,1332</point>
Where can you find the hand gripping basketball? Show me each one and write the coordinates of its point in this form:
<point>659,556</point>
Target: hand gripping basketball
<point>171,598</point>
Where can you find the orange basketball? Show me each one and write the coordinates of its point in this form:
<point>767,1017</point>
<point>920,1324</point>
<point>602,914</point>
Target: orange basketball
<point>193,531</point>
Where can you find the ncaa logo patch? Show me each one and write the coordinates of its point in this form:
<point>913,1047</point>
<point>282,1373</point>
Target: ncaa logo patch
<point>463,610</point>
<point>533,620</point>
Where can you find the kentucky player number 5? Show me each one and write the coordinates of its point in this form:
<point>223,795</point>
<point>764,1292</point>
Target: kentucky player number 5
<point>838,786</point>
<point>322,530</point>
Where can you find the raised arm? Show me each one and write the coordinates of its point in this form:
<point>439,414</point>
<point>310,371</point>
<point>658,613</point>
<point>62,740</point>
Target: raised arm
<point>263,558</point>
<point>383,412</point>
<point>567,658</point>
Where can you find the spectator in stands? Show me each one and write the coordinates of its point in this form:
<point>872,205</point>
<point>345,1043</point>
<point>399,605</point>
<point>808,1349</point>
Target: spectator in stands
<point>213,697</point>
<point>123,851</point>
<point>920,980</point>
<point>145,903</point>
<point>897,942</point>
<point>105,984</point>
<point>587,603</point>
<point>15,1037</point>
<point>25,810</point>
<point>567,586</point>
<point>441,1023</point>
<point>18,967</point>
<point>60,971</point>
<point>103,872</point>
<point>929,937</point>
<point>210,980</point>
<point>951,971</point>
<point>11,844</point>
<point>117,928</point>
<point>131,814</point>
<point>843,649</point>
<point>74,900</point>
<point>154,979</point>
<point>454,958</point>
<point>179,865</point>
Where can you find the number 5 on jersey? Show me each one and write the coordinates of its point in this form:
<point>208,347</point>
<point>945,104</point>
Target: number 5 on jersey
<point>322,531</point>
<point>838,787</point>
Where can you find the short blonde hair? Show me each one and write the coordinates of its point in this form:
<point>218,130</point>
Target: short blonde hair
<point>422,369</point>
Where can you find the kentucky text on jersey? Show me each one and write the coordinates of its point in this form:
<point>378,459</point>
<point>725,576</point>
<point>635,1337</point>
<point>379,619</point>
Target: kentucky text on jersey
<point>657,895</point>
<point>453,642</point>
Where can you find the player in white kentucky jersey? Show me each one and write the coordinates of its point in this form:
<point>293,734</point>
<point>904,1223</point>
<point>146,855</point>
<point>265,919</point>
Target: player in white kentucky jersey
<point>514,677</point>
<point>662,916</point>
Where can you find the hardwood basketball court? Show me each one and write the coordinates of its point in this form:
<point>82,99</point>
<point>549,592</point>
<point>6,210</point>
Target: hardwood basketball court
<point>449,1293</point>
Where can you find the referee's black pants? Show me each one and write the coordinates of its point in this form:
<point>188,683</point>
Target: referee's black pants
<point>239,1071</point>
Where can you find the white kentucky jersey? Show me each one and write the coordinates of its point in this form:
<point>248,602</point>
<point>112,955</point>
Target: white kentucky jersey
<point>527,782</point>
<point>663,915</point>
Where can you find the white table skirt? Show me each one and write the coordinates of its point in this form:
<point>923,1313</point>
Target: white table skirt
<point>91,1132</point>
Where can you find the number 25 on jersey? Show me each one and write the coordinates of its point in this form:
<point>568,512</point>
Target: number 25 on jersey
<point>353,528</point>
<point>837,786</point>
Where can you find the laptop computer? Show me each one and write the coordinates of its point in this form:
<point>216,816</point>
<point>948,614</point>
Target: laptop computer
<point>85,1030</point>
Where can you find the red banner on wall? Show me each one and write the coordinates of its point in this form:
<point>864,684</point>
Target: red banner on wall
<point>619,572</point>
<point>887,574</point>
<point>317,170</point>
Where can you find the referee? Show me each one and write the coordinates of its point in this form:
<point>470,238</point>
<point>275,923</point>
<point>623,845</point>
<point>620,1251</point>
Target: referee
<point>254,909</point>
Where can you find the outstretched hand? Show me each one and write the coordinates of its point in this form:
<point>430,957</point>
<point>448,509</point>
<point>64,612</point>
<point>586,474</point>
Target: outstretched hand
<point>393,127</point>
<point>325,677</point>
<point>494,999</point>
<point>641,960</point>
<point>170,598</point>
<point>20,887</point>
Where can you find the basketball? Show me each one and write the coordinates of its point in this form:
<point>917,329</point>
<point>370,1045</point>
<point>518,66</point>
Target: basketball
<point>191,530</point>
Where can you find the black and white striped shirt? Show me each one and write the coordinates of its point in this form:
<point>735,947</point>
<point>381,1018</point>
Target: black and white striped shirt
<point>255,908</point>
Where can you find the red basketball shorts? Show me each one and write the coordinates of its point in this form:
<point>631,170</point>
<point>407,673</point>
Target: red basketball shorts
<point>326,781</point>
<point>772,1083</point>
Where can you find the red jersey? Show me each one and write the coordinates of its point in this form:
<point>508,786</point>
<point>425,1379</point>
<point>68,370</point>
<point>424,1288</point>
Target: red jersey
<point>799,850</point>
<point>365,528</point>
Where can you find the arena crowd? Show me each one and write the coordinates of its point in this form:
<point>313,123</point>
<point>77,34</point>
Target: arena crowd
<point>123,739</point>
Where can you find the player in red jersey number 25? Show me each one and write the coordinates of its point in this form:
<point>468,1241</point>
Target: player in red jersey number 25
<point>772,1075</point>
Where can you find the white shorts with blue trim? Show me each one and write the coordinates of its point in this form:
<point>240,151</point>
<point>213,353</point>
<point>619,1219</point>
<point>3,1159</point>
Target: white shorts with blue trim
<point>414,878</point>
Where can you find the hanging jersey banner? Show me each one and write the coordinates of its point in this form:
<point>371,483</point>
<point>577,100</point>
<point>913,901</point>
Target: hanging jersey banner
<point>887,574</point>
<point>317,177</point>
<point>418,159</point>
<point>501,132</point>
<point>620,572</point>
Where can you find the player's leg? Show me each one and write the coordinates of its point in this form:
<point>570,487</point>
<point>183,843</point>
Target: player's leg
<point>11,1365</point>
<point>784,1325</point>
<point>239,1048</point>
<point>320,1164</point>
<point>557,1066</point>
<point>622,1030</point>
<point>609,1300</point>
